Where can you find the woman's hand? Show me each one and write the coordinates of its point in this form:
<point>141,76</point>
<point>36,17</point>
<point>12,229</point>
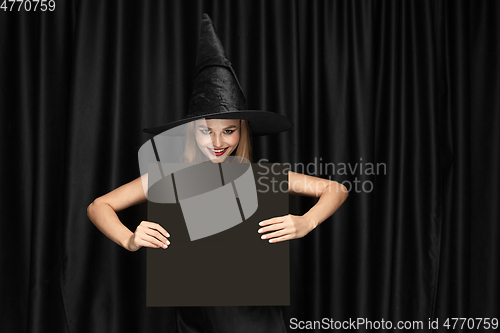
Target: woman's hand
<point>285,228</point>
<point>148,234</point>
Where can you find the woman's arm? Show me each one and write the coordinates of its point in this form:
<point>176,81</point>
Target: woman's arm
<point>102,212</point>
<point>331,196</point>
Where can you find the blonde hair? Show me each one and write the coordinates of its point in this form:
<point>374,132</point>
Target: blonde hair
<point>192,153</point>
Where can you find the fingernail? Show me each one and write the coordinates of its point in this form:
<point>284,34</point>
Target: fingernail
<point>260,230</point>
<point>168,242</point>
<point>164,246</point>
<point>260,223</point>
<point>168,235</point>
<point>263,237</point>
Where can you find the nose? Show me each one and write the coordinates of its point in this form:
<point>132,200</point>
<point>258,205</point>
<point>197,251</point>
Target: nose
<point>217,140</point>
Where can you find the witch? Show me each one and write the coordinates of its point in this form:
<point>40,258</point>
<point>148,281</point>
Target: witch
<point>220,126</point>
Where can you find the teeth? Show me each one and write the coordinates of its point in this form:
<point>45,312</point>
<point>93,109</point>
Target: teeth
<point>218,150</point>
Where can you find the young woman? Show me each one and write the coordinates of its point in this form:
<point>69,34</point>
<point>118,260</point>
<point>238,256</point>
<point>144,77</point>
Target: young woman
<point>216,139</point>
<point>219,125</point>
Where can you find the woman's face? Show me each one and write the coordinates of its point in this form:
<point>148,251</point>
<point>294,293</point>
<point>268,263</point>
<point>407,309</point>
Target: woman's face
<point>217,138</point>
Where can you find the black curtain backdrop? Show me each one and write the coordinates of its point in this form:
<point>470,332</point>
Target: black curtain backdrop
<point>410,85</point>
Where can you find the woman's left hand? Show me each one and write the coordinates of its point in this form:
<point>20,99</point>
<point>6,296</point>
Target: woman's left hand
<point>285,228</point>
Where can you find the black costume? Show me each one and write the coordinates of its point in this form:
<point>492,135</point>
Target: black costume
<point>230,319</point>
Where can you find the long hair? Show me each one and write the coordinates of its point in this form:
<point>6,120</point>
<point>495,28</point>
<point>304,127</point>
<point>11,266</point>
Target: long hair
<point>192,153</point>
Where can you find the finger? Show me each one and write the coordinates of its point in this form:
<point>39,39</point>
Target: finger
<point>272,221</point>
<point>157,235</point>
<point>143,243</point>
<point>275,234</point>
<point>162,230</point>
<point>144,232</point>
<point>272,227</point>
<point>154,241</point>
<point>158,227</point>
<point>280,239</point>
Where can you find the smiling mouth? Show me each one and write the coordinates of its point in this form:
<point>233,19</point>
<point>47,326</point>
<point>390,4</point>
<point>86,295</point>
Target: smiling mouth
<point>217,152</point>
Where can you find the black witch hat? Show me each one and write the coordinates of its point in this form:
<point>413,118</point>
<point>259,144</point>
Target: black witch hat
<point>217,93</point>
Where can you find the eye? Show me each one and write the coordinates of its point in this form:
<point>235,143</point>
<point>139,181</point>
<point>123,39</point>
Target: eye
<point>229,131</point>
<point>205,131</point>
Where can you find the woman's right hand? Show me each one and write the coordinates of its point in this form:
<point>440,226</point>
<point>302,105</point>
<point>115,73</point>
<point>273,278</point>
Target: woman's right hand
<point>148,234</point>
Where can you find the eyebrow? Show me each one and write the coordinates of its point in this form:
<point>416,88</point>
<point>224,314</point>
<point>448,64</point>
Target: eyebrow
<point>203,126</point>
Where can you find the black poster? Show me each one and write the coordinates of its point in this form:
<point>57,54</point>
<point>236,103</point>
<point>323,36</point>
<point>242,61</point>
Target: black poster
<point>232,267</point>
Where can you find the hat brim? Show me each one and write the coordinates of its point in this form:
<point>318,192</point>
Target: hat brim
<point>260,122</point>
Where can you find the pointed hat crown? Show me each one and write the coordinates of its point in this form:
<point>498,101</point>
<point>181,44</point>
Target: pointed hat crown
<point>217,94</point>
<point>215,88</point>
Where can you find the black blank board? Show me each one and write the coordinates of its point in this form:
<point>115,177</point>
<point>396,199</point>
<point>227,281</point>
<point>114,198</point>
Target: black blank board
<point>232,268</point>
